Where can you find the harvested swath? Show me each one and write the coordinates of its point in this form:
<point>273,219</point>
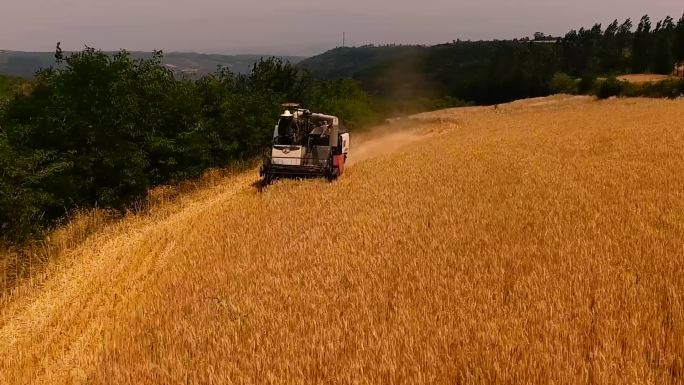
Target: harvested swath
<point>535,242</point>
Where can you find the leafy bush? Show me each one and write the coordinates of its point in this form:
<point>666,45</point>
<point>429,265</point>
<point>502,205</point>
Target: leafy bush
<point>562,83</point>
<point>587,84</point>
<point>673,88</point>
<point>21,200</point>
<point>609,87</point>
<point>8,85</point>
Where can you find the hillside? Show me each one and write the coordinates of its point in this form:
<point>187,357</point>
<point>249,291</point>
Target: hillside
<point>411,78</point>
<point>348,62</point>
<point>25,64</point>
<point>534,242</point>
<point>482,72</point>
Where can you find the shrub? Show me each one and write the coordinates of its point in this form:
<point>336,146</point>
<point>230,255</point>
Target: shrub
<point>609,87</point>
<point>562,83</point>
<point>8,85</point>
<point>673,88</point>
<point>22,202</point>
<point>587,84</point>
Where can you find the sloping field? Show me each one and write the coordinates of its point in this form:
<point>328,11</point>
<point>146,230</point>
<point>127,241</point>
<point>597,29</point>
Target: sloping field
<point>538,242</point>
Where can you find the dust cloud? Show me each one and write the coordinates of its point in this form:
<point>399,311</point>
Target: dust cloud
<point>385,140</point>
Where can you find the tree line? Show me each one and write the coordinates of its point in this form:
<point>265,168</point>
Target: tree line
<point>619,48</point>
<point>102,129</point>
<point>488,72</point>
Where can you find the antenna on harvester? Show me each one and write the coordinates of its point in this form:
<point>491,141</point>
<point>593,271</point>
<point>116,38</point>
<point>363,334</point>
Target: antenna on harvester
<point>344,39</point>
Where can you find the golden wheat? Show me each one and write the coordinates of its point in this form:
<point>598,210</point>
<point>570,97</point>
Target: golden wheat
<point>537,242</point>
<point>644,78</point>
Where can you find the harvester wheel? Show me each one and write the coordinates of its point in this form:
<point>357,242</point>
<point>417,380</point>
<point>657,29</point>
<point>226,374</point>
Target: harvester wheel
<point>332,176</point>
<point>265,172</point>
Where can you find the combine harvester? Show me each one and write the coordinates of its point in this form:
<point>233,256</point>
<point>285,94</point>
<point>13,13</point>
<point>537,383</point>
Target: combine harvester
<point>306,145</point>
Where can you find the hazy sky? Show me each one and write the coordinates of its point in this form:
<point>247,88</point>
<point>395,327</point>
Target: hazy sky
<point>300,27</point>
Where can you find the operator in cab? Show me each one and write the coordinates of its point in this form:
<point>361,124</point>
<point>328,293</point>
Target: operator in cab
<point>285,131</point>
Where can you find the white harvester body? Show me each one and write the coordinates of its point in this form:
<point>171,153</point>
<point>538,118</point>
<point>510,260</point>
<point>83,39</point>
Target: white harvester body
<point>345,143</point>
<point>288,155</point>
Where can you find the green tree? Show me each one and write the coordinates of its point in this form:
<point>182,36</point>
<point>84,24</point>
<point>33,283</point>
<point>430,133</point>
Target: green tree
<point>346,99</point>
<point>664,36</point>
<point>22,197</point>
<point>642,46</point>
<point>678,41</point>
<point>610,52</point>
<point>623,41</point>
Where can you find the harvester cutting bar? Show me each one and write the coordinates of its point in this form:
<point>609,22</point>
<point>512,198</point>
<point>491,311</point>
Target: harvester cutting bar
<point>299,162</point>
<point>286,168</point>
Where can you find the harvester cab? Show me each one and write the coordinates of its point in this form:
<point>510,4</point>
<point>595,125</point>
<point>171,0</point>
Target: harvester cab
<point>306,145</point>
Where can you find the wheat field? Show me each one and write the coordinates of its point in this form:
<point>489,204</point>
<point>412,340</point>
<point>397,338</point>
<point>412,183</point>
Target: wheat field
<point>537,242</point>
<point>645,78</point>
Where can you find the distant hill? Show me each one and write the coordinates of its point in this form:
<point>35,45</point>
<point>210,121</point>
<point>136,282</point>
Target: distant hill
<point>347,62</point>
<point>25,64</point>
